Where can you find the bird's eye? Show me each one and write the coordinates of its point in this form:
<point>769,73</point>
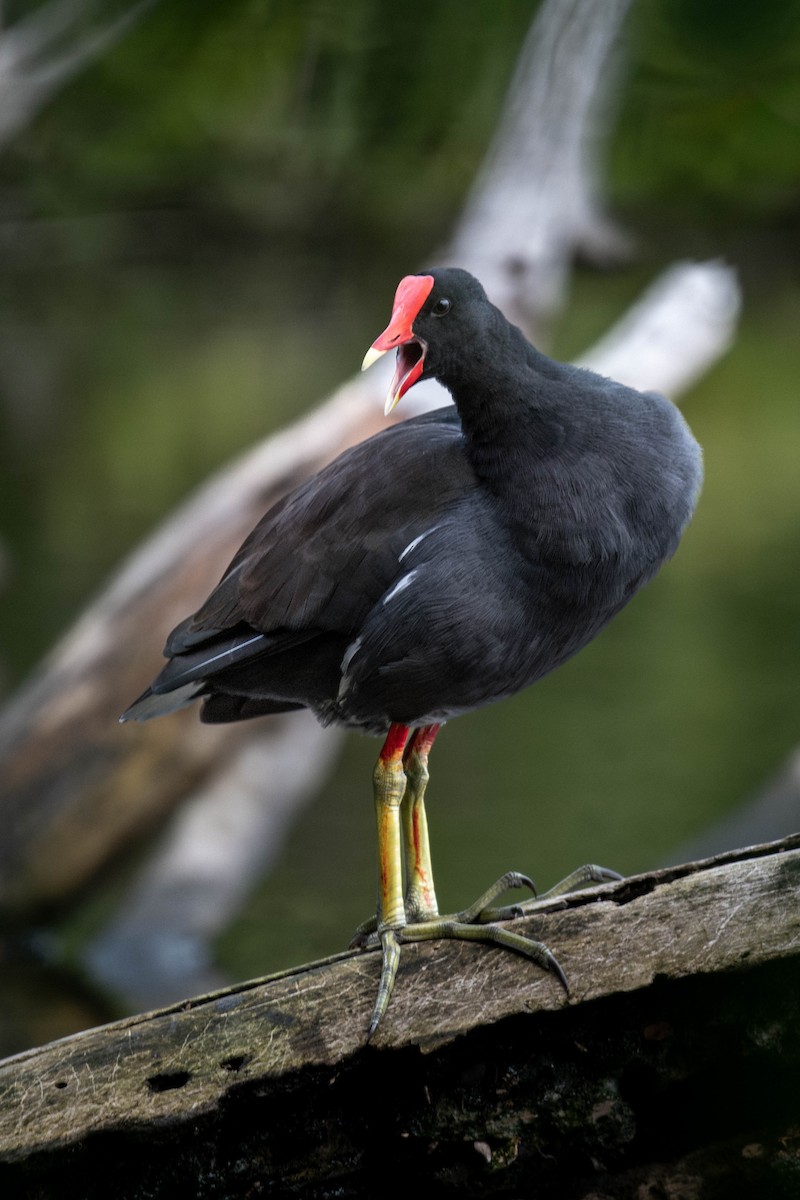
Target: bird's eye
<point>441,307</point>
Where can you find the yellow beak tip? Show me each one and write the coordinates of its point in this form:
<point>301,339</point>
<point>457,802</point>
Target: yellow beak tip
<point>371,357</point>
<point>391,402</point>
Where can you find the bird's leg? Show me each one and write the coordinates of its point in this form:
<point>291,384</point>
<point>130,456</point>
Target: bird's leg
<point>389,783</point>
<point>420,898</point>
<point>400,779</point>
<point>423,920</point>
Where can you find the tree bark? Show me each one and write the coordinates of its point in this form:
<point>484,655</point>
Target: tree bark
<point>671,1071</point>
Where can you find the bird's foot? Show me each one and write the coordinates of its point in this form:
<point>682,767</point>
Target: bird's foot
<point>391,940</point>
<point>468,925</point>
<point>511,879</point>
<point>478,923</point>
<point>448,927</point>
<point>365,935</point>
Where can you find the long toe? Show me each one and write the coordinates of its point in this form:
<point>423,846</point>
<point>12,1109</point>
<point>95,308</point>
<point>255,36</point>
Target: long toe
<point>579,878</point>
<point>476,912</point>
<point>493,933</point>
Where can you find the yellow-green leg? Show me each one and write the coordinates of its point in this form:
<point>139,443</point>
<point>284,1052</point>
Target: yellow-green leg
<point>420,896</point>
<point>411,913</point>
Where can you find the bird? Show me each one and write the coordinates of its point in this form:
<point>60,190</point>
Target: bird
<point>445,563</point>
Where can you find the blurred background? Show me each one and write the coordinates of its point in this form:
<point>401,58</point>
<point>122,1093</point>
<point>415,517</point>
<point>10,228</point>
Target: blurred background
<point>201,229</point>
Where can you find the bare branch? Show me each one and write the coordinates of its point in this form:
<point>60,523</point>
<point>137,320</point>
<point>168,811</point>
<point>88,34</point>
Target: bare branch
<point>536,202</point>
<point>682,324</point>
<point>45,50</point>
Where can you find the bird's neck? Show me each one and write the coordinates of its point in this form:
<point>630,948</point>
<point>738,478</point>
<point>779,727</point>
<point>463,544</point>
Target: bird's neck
<point>510,399</point>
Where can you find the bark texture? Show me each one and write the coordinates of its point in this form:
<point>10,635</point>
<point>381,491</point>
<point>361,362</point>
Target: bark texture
<point>672,1071</point>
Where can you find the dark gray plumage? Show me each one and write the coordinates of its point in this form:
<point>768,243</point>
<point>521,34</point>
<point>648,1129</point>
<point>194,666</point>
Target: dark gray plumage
<point>453,559</point>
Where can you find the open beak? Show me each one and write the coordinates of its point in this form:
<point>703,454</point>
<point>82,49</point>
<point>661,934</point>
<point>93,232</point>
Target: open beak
<point>411,294</point>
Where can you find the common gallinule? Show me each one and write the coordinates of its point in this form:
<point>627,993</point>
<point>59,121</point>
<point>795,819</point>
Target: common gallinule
<point>443,564</point>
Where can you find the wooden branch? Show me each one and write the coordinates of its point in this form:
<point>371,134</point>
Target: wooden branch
<point>663,342</point>
<point>537,202</point>
<point>44,50</point>
<point>158,946</point>
<point>671,1060</point>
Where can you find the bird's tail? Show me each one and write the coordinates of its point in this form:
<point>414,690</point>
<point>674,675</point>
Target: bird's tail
<point>150,704</point>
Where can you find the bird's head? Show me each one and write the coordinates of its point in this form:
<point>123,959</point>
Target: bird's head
<point>432,317</point>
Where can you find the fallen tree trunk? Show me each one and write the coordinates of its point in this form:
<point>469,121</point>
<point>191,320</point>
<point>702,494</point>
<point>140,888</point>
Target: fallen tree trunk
<point>671,1071</point>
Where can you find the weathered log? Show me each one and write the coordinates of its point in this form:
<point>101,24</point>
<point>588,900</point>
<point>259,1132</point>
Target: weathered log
<point>671,1071</point>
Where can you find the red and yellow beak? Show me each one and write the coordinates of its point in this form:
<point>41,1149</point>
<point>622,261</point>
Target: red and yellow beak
<point>411,294</point>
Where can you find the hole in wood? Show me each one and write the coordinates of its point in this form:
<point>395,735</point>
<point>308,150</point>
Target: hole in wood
<point>60,1083</point>
<point>168,1081</point>
<point>235,1062</point>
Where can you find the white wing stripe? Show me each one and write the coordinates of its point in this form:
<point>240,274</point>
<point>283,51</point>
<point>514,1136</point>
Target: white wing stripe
<point>400,586</point>
<point>412,545</point>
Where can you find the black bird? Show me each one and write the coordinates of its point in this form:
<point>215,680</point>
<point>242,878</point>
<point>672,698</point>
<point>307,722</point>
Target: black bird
<point>443,564</point>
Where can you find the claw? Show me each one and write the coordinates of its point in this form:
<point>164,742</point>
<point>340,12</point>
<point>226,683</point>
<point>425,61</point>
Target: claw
<point>522,881</point>
<point>589,873</point>
<point>558,971</point>
<point>391,960</point>
<point>361,936</point>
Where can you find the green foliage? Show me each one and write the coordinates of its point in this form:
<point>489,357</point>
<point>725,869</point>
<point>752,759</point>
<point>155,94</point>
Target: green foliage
<point>711,119</point>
